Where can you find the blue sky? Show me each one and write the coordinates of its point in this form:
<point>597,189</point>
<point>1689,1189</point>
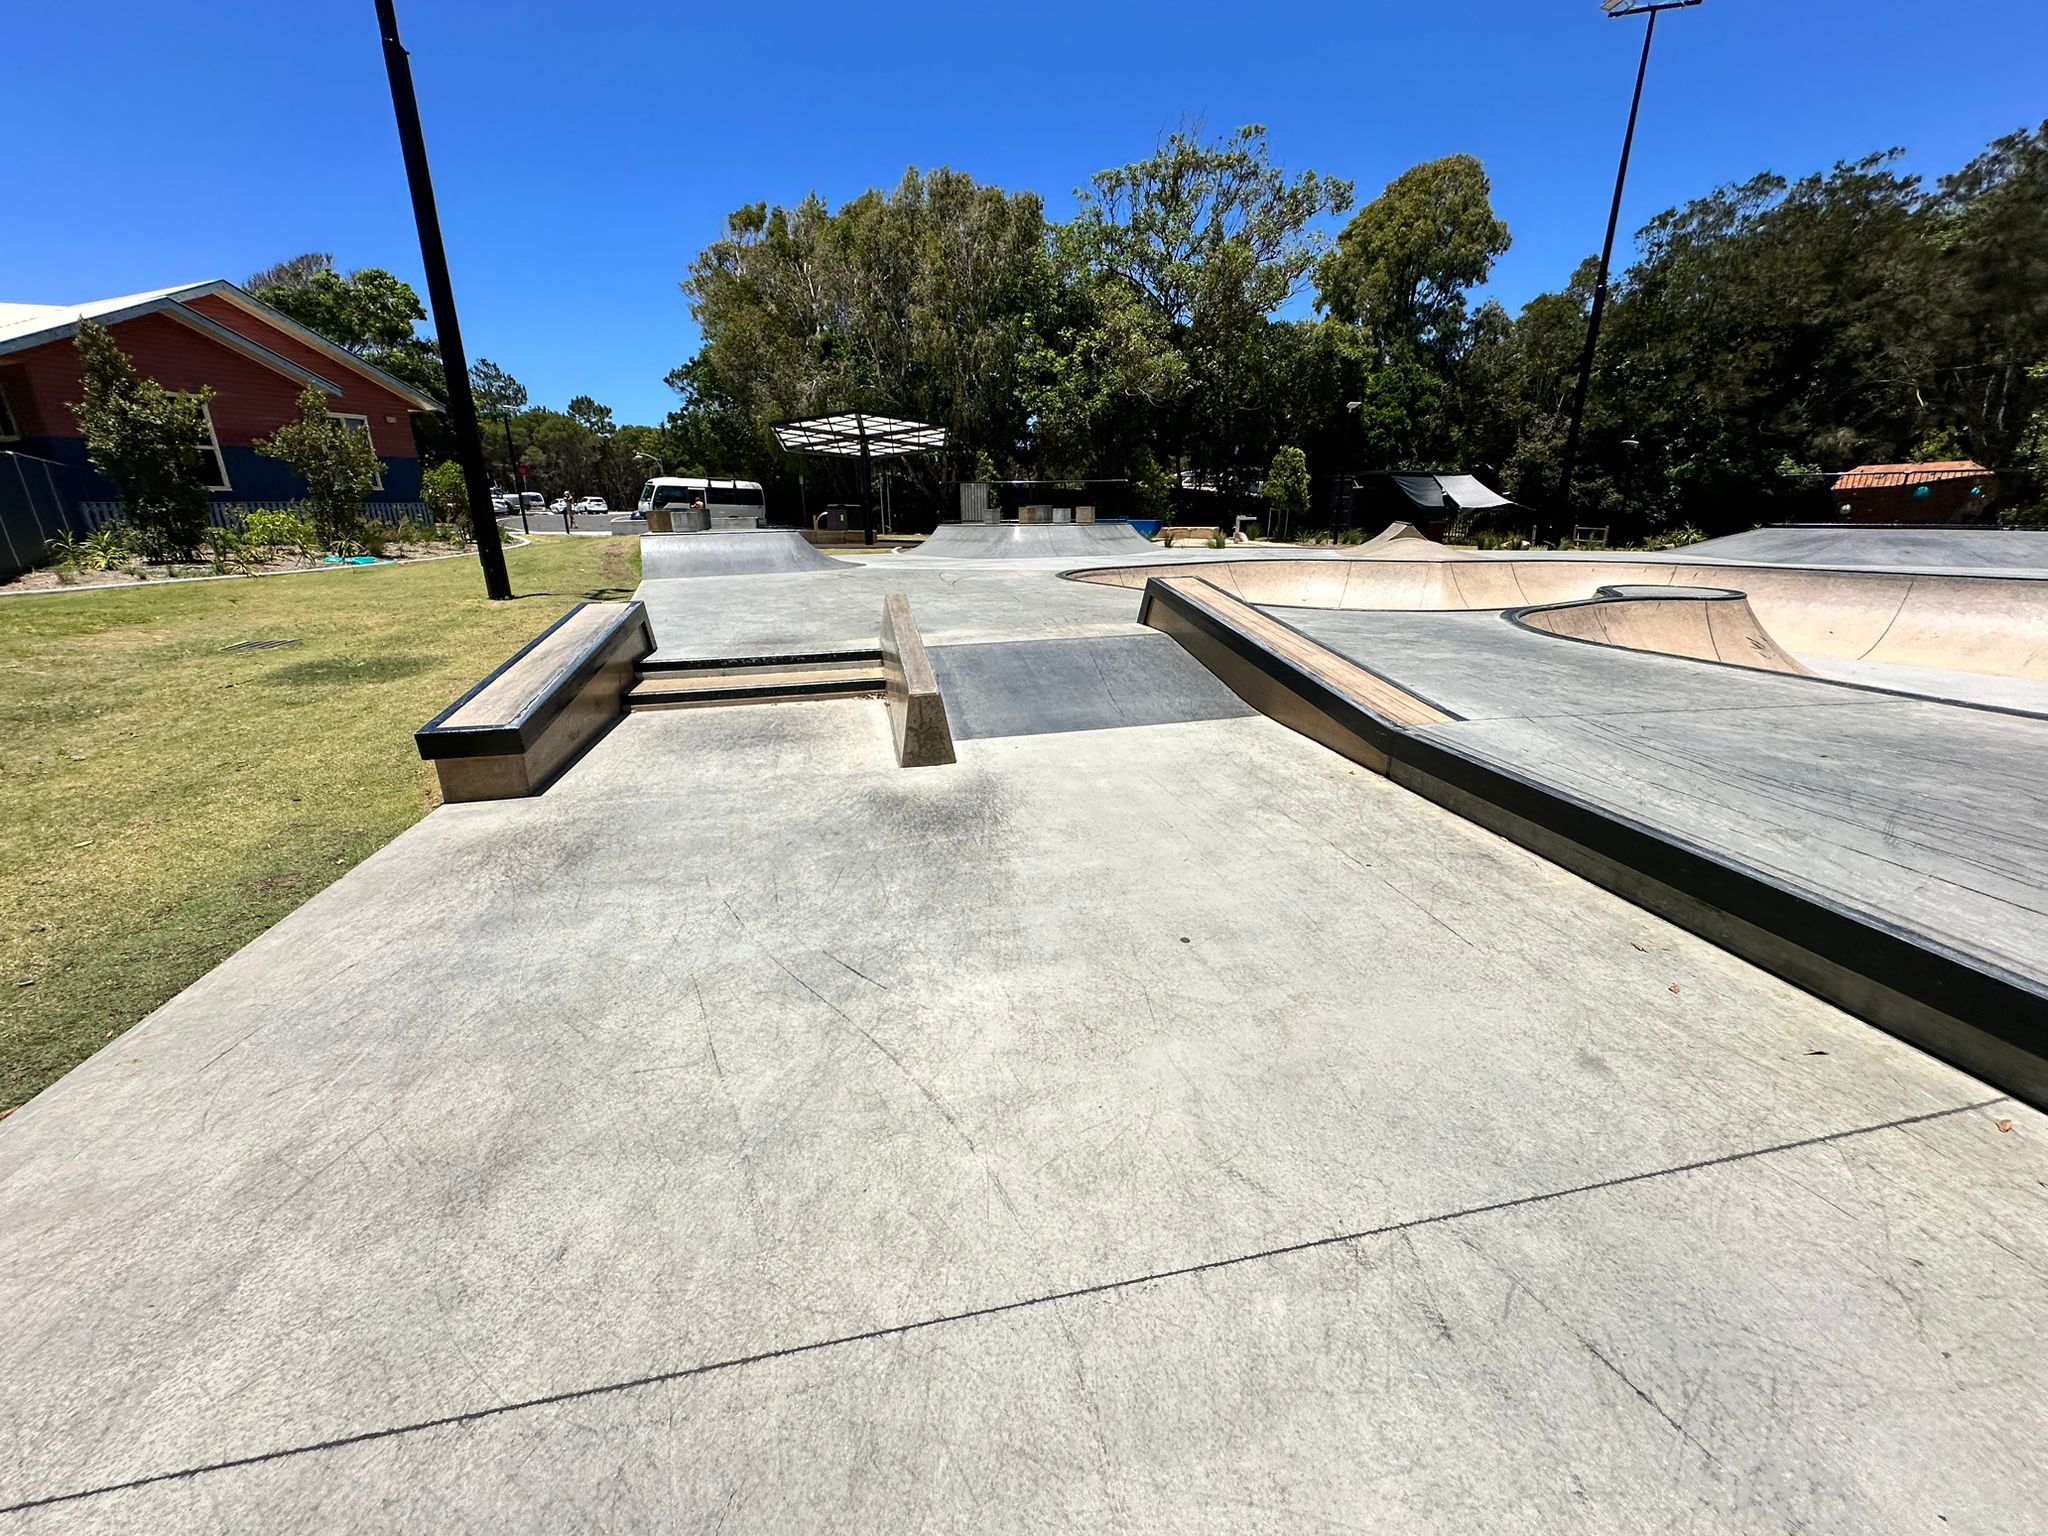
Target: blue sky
<point>583,153</point>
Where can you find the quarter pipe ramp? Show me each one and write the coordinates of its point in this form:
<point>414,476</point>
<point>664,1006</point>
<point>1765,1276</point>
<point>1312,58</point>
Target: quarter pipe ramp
<point>730,552</point>
<point>1023,541</point>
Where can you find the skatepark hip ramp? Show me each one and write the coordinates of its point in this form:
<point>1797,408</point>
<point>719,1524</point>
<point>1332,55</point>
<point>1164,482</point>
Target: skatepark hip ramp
<point>730,552</point>
<point>1704,623</point>
<point>1023,541</point>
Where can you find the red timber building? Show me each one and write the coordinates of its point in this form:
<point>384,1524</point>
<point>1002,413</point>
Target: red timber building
<point>256,361</point>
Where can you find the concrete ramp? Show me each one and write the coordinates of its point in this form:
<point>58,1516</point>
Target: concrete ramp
<point>1865,548</point>
<point>1050,687</point>
<point>1405,541</point>
<point>1031,541</point>
<point>1703,623</point>
<point>730,552</point>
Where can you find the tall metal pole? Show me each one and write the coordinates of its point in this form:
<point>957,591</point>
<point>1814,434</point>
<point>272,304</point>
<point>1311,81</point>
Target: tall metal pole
<point>1571,441</point>
<point>867,485</point>
<point>518,478</point>
<point>469,446</point>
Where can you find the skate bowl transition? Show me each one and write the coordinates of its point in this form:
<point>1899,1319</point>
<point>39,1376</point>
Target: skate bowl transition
<point>1989,624</point>
<point>1704,623</point>
<point>730,552</point>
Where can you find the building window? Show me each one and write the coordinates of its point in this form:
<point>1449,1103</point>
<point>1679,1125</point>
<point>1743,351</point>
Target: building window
<point>10,425</point>
<point>361,424</point>
<point>212,467</point>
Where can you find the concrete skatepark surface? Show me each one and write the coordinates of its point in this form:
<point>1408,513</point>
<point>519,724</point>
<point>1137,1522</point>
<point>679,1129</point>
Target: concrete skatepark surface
<point>903,1213</point>
<point>1151,1121</point>
<point>1866,547</point>
<point>1924,814</point>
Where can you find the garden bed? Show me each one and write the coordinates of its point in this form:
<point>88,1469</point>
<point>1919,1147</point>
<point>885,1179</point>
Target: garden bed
<point>57,578</point>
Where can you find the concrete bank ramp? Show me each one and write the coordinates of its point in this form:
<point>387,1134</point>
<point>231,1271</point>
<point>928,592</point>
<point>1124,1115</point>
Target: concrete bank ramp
<point>730,552</point>
<point>1993,624</point>
<point>1703,623</point>
<point>1048,687</point>
<point>2012,549</point>
<point>1031,541</point>
<point>1405,541</point>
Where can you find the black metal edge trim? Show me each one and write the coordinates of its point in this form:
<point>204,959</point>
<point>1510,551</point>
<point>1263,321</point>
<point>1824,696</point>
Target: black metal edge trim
<point>742,691</point>
<point>1975,993</point>
<point>793,658</point>
<point>515,736</point>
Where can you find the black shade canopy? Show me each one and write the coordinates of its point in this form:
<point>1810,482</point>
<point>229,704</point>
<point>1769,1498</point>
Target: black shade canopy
<point>857,435</point>
<point>852,434</point>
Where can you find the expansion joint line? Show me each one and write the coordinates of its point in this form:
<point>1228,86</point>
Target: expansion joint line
<point>998,1309</point>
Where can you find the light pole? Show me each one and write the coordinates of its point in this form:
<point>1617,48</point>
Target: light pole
<point>518,475</point>
<point>1615,10</point>
<point>469,446</point>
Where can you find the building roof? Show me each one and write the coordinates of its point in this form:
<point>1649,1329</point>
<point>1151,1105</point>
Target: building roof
<point>32,325</point>
<point>1878,476</point>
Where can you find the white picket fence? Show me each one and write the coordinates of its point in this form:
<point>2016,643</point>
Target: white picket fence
<point>229,514</point>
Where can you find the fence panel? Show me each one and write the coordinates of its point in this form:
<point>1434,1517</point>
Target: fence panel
<point>33,495</point>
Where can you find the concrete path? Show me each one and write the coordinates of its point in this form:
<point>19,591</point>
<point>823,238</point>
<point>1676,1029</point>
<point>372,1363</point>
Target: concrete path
<point>1160,1127</point>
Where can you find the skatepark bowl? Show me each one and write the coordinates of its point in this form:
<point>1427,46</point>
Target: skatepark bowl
<point>1391,1038</point>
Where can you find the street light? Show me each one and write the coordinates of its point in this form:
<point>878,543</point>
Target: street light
<point>1616,9</point>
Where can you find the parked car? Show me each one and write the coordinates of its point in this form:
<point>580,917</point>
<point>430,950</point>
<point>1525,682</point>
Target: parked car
<point>592,504</point>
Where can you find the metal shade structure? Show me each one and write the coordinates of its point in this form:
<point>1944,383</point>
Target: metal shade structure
<point>857,435</point>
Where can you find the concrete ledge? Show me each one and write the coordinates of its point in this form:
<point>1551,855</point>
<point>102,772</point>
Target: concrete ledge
<point>917,715</point>
<point>1984,1019</point>
<point>516,729</point>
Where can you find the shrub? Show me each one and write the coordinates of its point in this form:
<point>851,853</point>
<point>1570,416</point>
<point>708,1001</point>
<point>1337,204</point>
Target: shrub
<point>446,496</point>
<point>104,549</point>
<point>337,463</point>
<point>230,551</point>
<point>1286,486</point>
<point>280,533</point>
<point>1673,538</point>
<point>150,441</point>
<point>1218,541</point>
<point>413,531</point>
<point>375,538</point>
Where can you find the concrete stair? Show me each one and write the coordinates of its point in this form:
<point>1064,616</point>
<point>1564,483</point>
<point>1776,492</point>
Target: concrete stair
<point>758,680</point>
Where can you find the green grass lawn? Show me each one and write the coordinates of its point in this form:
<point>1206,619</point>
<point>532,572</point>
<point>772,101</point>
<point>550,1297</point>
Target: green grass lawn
<point>163,799</point>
